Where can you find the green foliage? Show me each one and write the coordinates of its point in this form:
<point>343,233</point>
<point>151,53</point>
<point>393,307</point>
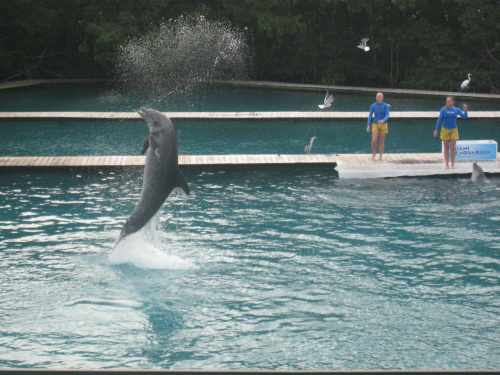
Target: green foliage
<point>425,44</point>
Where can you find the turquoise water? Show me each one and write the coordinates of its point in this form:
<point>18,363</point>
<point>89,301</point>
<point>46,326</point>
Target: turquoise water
<point>288,270</point>
<point>48,138</point>
<point>97,98</point>
<point>201,138</point>
<point>282,270</point>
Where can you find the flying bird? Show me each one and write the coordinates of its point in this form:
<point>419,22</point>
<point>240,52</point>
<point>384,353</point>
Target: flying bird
<point>363,45</point>
<point>465,83</point>
<point>328,101</point>
<point>309,146</point>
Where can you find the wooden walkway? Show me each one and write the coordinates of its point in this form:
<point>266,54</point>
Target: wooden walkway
<point>276,85</point>
<point>263,160</point>
<point>347,165</point>
<point>232,116</point>
<point>353,89</point>
<point>35,82</point>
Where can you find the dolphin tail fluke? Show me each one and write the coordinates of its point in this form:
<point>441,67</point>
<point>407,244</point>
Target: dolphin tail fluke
<point>181,182</point>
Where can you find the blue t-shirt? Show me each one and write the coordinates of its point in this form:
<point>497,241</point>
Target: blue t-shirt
<point>381,112</point>
<point>449,117</point>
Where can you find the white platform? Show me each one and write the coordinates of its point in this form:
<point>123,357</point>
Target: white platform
<point>390,169</point>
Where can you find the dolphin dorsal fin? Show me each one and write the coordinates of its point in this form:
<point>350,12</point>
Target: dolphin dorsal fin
<point>181,182</point>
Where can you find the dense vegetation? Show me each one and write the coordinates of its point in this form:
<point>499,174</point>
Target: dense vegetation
<point>426,44</point>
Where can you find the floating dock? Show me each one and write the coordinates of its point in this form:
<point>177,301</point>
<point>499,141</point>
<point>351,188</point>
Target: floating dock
<point>348,166</point>
<point>233,116</point>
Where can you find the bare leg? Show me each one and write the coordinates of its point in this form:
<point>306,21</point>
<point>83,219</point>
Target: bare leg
<point>453,152</point>
<point>381,144</point>
<point>446,147</point>
<point>374,144</point>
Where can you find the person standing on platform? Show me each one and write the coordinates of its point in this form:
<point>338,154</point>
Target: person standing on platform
<point>449,131</point>
<point>380,113</point>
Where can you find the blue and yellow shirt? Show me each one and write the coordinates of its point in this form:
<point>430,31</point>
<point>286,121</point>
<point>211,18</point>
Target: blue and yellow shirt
<point>449,117</point>
<point>381,112</point>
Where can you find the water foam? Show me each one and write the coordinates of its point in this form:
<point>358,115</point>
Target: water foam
<point>137,251</point>
<point>144,250</point>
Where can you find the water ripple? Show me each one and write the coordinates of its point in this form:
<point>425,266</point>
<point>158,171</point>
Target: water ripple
<point>275,270</point>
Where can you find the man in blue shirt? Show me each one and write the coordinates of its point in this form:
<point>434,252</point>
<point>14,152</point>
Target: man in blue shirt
<point>378,124</point>
<point>449,131</point>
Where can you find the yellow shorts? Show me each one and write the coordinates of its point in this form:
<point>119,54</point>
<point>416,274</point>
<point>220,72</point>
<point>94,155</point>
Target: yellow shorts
<point>447,134</point>
<point>383,128</point>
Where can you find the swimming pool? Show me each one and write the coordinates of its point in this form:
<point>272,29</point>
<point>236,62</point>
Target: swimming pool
<point>45,138</point>
<point>212,98</point>
<point>90,138</point>
<point>281,270</point>
<point>265,270</point>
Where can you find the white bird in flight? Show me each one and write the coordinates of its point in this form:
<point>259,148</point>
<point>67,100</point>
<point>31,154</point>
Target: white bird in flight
<point>363,45</point>
<point>465,83</point>
<point>328,101</point>
<point>309,146</point>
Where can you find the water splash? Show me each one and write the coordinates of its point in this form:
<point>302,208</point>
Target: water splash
<point>183,53</point>
<point>144,250</point>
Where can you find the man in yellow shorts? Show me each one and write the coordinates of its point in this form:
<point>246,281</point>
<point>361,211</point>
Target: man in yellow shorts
<point>379,111</point>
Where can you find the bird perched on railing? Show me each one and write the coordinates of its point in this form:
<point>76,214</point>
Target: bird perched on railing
<point>309,146</point>
<point>328,101</point>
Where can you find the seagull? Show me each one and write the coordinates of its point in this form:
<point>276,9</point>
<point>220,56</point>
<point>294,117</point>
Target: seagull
<point>363,45</point>
<point>464,84</point>
<point>309,146</point>
<point>328,101</point>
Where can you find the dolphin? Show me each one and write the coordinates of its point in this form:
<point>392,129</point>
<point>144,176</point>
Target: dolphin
<point>477,173</point>
<point>161,171</point>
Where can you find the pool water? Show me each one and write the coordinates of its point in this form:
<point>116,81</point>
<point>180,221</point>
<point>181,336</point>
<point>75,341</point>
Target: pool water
<point>281,270</point>
<point>214,138</point>
<point>91,138</point>
<point>209,98</point>
<point>267,270</point>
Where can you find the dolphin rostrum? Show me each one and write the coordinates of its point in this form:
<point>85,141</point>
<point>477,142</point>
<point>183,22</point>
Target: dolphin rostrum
<point>161,171</point>
<point>477,173</point>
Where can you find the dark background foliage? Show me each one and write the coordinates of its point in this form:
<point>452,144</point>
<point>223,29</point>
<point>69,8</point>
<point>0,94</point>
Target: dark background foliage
<point>425,44</point>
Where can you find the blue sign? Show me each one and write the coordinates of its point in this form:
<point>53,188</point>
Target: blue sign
<point>476,150</point>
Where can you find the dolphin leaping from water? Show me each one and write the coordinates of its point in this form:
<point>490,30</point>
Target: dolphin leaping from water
<point>161,171</point>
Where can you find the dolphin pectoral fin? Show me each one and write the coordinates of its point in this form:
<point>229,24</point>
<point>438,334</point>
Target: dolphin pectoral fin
<point>153,145</point>
<point>181,182</point>
<point>145,146</point>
